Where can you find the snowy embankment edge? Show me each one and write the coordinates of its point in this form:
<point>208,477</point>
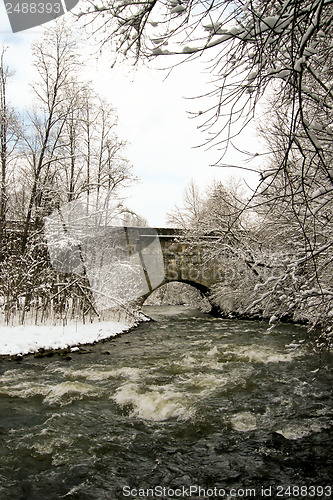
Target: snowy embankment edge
<point>28,339</point>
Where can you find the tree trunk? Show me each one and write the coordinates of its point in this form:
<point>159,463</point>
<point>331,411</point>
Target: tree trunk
<point>3,139</point>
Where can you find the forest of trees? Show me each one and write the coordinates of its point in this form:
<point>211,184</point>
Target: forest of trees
<point>63,147</point>
<point>266,272</point>
<point>274,56</point>
<point>269,60</point>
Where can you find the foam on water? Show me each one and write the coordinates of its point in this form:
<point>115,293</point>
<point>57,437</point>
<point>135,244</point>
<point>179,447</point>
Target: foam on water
<point>244,422</point>
<point>189,403</point>
<point>259,354</point>
<point>66,392</point>
<point>155,404</point>
<point>301,429</point>
<point>12,376</point>
<point>181,398</point>
<point>188,361</point>
<point>213,352</point>
<point>24,390</point>
<point>205,384</point>
<point>101,372</point>
<point>47,445</point>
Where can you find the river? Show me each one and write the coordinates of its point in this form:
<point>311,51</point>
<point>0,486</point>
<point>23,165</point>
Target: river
<point>185,402</point>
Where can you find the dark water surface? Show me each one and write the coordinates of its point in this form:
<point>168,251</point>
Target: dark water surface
<point>186,401</point>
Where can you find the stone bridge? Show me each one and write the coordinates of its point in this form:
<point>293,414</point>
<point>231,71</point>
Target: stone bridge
<point>112,255</point>
<point>127,262</point>
<point>182,262</point>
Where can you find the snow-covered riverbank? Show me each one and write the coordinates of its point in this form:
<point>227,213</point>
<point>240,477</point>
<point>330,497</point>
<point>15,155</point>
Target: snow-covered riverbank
<point>31,338</point>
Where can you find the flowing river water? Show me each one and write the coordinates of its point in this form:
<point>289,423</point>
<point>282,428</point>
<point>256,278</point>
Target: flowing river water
<point>187,406</point>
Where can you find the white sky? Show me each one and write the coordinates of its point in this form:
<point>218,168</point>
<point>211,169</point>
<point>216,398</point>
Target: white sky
<point>152,118</point>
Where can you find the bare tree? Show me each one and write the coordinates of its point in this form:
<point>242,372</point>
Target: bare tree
<point>9,134</point>
<point>70,158</point>
<point>294,207</point>
<point>91,155</point>
<point>188,215</point>
<point>69,147</point>
<point>56,60</point>
<point>106,165</point>
<point>3,139</point>
<point>249,45</point>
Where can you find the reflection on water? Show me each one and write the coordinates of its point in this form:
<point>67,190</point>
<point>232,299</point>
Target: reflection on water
<point>187,399</point>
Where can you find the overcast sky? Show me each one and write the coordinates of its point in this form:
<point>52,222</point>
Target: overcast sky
<point>153,119</point>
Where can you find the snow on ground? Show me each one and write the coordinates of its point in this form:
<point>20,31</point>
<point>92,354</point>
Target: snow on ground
<point>25,339</point>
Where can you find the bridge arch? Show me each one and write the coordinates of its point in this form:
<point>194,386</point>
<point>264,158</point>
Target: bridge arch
<point>179,293</point>
<point>167,258</point>
<point>199,286</point>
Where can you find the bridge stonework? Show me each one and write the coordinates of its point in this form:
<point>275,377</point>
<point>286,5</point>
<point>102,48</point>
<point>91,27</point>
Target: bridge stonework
<point>183,262</point>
